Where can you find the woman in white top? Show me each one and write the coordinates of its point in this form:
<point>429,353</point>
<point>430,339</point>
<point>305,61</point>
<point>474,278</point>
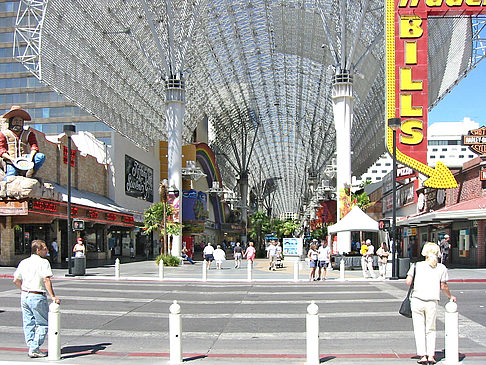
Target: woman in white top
<point>382,259</point>
<point>219,256</point>
<point>312,255</point>
<point>430,278</point>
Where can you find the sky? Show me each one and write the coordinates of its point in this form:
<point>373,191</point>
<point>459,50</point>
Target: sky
<point>468,99</point>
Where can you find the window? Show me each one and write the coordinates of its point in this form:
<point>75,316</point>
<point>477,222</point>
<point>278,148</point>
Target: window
<point>435,149</point>
<point>442,156</point>
<point>388,164</point>
<point>384,171</point>
<point>463,149</point>
<point>374,171</point>
<point>432,156</point>
<point>471,156</point>
<point>444,149</point>
<point>461,156</point>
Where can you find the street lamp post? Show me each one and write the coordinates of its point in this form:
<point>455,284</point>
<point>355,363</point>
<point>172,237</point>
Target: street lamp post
<point>164,185</point>
<point>69,130</point>
<point>394,124</point>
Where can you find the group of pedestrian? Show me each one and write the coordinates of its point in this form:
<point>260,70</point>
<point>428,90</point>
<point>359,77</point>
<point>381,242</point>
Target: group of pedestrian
<point>319,258</point>
<point>218,255</point>
<point>367,251</point>
<point>274,254</point>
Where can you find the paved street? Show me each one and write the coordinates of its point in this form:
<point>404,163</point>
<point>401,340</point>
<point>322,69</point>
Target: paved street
<point>126,321</point>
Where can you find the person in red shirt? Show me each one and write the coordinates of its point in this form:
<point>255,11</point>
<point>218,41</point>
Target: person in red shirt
<point>17,141</point>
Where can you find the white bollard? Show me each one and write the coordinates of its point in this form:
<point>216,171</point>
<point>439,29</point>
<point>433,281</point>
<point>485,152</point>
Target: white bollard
<point>175,333</point>
<point>54,332</point>
<point>205,271</point>
<point>249,270</point>
<point>117,268</point>
<point>312,328</point>
<point>161,270</point>
<point>341,269</point>
<point>296,271</point>
<point>451,334</point>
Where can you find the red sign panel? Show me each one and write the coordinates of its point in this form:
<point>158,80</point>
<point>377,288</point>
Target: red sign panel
<point>65,156</point>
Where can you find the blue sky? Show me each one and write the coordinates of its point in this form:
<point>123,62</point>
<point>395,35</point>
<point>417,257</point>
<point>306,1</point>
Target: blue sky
<point>468,99</point>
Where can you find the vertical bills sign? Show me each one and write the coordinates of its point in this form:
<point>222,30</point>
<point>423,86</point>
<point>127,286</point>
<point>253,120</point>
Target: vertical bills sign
<point>407,78</point>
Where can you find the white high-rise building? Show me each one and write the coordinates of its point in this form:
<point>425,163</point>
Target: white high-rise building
<point>444,144</point>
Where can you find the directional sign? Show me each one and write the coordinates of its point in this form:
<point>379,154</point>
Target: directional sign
<point>407,79</point>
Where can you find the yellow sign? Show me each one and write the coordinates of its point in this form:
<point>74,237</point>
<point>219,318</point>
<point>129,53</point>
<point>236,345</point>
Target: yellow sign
<point>406,93</point>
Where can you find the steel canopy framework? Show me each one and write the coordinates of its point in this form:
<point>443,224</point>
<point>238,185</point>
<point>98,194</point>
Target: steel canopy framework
<point>257,70</point>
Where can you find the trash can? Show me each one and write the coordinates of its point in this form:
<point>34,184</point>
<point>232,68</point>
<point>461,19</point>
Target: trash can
<point>403,267</point>
<point>79,266</point>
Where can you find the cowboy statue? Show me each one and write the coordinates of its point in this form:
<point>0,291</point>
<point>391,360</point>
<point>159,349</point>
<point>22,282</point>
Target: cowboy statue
<point>18,145</point>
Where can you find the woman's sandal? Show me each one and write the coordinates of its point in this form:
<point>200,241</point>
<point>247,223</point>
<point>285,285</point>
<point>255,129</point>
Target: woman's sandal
<point>423,360</point>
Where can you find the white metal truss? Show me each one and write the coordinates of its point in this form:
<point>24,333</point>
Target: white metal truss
<point>27,36</point>
<point>265,63</point>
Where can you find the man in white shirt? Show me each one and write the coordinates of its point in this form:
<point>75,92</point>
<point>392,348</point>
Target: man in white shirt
<point>272,255</point>
<point>33,277</point>
<point>369,272</point>
<point>324,259</point>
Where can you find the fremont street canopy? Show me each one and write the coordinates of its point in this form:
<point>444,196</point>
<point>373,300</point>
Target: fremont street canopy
<point>260,71</point>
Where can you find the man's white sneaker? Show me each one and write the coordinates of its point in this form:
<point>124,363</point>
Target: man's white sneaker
<point>37,353</point>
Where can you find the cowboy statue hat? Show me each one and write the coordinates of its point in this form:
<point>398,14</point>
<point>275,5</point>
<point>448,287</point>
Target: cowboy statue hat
<point>17,111</point>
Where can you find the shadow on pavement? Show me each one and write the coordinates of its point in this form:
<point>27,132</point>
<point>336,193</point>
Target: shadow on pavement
<point>326,359</point>
<point>197,357</point>
<point>83,350</point>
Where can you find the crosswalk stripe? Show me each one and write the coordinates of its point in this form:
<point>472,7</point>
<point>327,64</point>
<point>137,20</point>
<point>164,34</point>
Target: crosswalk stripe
<point>225,336</point>
<point>218,315</point>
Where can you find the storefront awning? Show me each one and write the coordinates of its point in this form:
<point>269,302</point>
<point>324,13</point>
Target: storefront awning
<point>473,209</point>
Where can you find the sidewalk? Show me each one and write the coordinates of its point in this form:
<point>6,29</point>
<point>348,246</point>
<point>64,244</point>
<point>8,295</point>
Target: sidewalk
<point>148,270</point>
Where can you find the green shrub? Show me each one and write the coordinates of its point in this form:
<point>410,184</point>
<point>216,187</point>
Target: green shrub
<point>168,260</point>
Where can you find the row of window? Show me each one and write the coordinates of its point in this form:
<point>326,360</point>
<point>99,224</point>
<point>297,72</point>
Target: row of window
<point>55,128</point>
<point>460,156</point>
<point>444,142</point>
<point>61,112</point>
<point>20,82</point>
<point>445,149</point>
<point>42,97</point>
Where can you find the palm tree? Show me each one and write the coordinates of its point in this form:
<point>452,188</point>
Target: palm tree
<point>153,220</point>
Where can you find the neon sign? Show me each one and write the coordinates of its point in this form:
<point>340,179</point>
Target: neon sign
<point>407,78</point>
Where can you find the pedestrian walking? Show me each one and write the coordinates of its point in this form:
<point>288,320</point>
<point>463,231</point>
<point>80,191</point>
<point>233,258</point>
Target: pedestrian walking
<point>324,260</point>
<point>250,253</point>
<point>367,260</point>
<point>445,246</point>
<point>430,278</point>
<point>272,255</point>
<point>312,255</point>
<point>208,254</point>
<point>33,277</point>
<point>219,257</point>
<point>382,253</point>
<point>238,255</point>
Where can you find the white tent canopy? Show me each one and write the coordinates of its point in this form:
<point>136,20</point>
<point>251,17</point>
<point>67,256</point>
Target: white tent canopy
<point>355,220</point>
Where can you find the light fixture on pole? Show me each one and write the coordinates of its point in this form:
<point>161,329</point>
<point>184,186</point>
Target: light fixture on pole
<point>163,190</point>
<point>394,124</point>
<point>69,130</point>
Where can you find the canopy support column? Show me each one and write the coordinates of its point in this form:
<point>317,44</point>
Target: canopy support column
<point>342,96</point>
<point>174,115</point>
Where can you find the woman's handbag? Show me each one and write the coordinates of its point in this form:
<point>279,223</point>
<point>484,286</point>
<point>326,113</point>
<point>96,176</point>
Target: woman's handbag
<point>405,308</point>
